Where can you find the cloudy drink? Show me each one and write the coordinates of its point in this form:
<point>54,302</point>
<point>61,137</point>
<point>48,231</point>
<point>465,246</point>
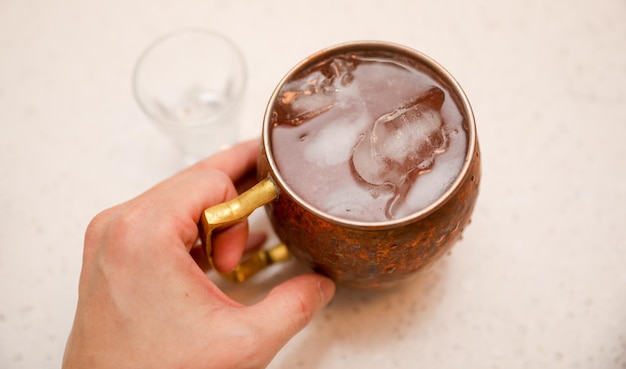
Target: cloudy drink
<point>367,138</point>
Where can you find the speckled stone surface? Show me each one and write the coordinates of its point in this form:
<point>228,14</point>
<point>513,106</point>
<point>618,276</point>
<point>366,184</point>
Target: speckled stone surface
<point>538,280</point>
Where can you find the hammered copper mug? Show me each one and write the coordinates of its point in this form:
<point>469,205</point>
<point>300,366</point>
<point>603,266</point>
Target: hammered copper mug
<point>356,254</point>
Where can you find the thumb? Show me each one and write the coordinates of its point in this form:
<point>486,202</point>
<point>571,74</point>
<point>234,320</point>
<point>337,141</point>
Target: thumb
<point>290,306</point>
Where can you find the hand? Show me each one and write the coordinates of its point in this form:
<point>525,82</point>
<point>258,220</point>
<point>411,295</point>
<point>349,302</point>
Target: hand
<point>144,303</point>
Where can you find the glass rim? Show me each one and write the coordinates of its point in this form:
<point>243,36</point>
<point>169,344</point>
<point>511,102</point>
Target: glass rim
<point>229,106</point>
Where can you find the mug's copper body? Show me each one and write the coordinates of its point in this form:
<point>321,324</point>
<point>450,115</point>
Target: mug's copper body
<point>374,255</point>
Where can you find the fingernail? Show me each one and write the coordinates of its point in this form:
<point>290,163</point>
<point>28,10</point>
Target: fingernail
<point>327,290</point>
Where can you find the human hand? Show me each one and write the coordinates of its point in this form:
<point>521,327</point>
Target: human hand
<point>144,303</point>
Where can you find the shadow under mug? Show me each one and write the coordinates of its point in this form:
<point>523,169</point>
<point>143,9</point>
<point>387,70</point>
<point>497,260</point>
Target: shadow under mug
<point>355,254</point>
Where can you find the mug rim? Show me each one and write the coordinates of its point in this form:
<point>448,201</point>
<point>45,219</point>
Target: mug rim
<point>436,71</point>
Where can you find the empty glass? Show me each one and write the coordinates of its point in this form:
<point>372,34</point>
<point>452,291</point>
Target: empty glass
<point>191,83</point>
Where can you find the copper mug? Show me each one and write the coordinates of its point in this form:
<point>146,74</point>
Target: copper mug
<point>361,255</point>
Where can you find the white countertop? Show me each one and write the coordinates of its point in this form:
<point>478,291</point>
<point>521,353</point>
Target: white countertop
<point>539,279</point>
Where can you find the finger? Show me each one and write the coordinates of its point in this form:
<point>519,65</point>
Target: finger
<point>178,202</point>
<point>179,207</point>
<point>225,255</point>
<point>254,243</point>
<point>290,306</point>
<point>235,162</point>
<point>247,181</point>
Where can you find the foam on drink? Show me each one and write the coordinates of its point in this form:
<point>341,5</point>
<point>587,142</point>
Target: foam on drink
<point>367,139</point>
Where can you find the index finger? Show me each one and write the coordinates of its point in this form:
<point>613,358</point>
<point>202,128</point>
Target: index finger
<point>235,162</point>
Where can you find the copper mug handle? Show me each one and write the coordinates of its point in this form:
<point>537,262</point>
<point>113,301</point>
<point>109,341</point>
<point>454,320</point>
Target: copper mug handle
<point>230,212</point>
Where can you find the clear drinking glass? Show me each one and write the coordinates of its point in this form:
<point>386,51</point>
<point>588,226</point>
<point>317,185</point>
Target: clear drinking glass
<point>191,83</point>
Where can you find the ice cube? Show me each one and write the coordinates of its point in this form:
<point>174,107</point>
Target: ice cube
<point>306,98</point>
<point>333,143</point>
<point>401,145</point>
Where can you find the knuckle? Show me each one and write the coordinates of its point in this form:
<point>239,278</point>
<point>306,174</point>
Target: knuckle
<point>251,343</point>
<point>96,226</point>
<point>300,311</point>
<point>110,233</point>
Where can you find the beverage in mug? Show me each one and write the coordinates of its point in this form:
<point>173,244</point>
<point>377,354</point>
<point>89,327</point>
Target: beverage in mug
<point>367,138</point>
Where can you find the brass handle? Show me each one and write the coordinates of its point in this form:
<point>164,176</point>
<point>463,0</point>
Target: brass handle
<point>230,212</point>
<point>257,262</point>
